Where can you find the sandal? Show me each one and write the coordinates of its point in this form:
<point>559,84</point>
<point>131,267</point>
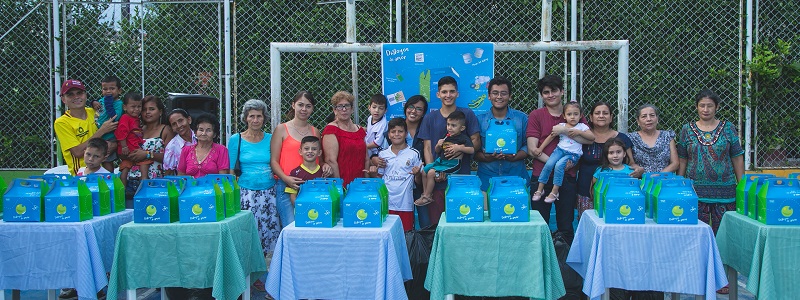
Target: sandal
<point>724,290</point>
<point>423,200</point>
<point>536,196</point>
<point>551,198</point>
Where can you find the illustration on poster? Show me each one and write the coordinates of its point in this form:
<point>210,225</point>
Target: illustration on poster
<point>395,98</point>
<point>479,81</point>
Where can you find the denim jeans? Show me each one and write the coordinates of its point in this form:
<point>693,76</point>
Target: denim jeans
<point>557,164</point>
<point>285,207</point>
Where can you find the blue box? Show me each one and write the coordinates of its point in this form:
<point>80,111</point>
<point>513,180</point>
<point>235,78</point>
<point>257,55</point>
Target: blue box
<point>317,205</point>
<point>600,187</point>
<point>675,202</point>
<point>68,201</point>
<point>338,183</point>
<point>24,200</point>
<point>231,192</point>
<point>509,200</point>
<point>156,201</point>
<point>778,199</point>
<point>752,193</point>
<point>649,181</point>
<point>180,181</point>
<point>383,192</point>
<point>624,201</point>
<point>101,194</point>
<point>114,183</point>
<point>501,137</point>
<point>463,199</point>
<point>363,205</point>
<point>743,191</point>
<point>50,179</point>
<point>201,201</point>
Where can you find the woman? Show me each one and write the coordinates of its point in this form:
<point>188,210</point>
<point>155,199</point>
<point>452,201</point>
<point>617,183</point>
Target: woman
<point>180,122</point>
<point>653,149</point>
<point>414,110</point>
<point>711,155</point>
<point>251,149</point>
<point>284,155</point>
<point>156,134</point>
<point>205,157</point>
<point>343,140</point>
<point>600,123</point>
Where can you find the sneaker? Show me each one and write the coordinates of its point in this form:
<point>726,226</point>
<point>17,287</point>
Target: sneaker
<point>68,294</point>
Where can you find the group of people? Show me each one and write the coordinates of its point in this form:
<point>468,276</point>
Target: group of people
<point>413,154</point>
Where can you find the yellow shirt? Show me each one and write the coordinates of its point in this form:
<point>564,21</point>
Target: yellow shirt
<point>71,132</point>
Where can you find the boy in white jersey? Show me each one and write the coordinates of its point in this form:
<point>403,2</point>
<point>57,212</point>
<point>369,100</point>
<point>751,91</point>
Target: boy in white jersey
<point>402,170</point>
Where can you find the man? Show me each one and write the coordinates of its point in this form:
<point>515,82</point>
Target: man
<point>434,127</point>
<point>75,128</point>
<point>541,122</point>
<point>498,164</point>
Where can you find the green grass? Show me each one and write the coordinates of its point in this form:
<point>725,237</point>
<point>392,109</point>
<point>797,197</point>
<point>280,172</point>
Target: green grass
<point>9,175</point>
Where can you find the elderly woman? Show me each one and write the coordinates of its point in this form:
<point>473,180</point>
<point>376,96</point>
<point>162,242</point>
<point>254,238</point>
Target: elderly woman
<point>343,140</point>
<point>251,149</point>
<point>180,122</point>
<point>205,157</point>
<point>653,149</point>
<point>284,156</point>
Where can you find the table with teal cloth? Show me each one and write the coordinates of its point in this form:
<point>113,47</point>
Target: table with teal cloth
<point>340,262</point>
<point>51,255</point>
<point>646,257</point>
<point>769,255</point>
<point>195,255</point>
<point>494,259</point>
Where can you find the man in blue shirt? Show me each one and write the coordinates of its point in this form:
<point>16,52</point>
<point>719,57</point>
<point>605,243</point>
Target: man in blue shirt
<point>497,164</point>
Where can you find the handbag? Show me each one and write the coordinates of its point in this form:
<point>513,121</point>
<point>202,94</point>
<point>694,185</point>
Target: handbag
<point>237,167</point>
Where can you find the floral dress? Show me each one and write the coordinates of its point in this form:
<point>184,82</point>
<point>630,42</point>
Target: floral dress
<point>656,158</point>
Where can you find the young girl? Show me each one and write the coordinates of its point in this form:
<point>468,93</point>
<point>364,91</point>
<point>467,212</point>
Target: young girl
<point>568,150</point>
<point>613,159</point>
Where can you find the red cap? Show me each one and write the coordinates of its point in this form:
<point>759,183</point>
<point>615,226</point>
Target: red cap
<point>71,84</point>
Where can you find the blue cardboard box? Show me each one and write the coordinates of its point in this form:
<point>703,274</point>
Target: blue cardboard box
<point>743,188</point>
<point>180,181</point>
<point>647,184</point>
<point>675,202</point>
<point>509,200</point>
<point>778,199</point>
<point>117,190</point>
<point>363,205</point>
<point>501,137</point>
<point>317,205</point>
<point>752,193</point>
<point>231,192</point>
<point>599,189</point>
<point>68,201</point>
<point>50,179</point>
<point>338,183</point>
<point>624,201</point>
<point>463,199</point>
<point>156,201</point>
<point>101,194</point>
<point>24,200</point>
<point>201,201</point>
<point>383,192</point>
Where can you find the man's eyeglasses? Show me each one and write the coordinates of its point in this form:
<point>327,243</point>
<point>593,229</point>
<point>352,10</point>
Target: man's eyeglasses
<point>496,93</point>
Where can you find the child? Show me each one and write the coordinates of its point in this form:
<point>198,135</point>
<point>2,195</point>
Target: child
<point>454,140</point>
<point>376,124</point>
<point>94,155</point>
<point>129,135</point>
<point>568,150</point>
<point>310,150</point>
<point>106,108</point>
<point>402,169</point>
<point>613,159</point>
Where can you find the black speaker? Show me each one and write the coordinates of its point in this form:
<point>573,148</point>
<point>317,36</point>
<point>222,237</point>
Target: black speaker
<point>194,104</point>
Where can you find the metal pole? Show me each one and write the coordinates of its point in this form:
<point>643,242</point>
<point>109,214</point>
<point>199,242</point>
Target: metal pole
<point>573,84</point>
<point>56,56</point>
<point>275,84</point>
<point>398,12</point>
<point>547,29</point>
<point>227,75</point>
<point>350,19</point>
<point>141,36</point>
<point>622,89</point>
<point>748,115</point>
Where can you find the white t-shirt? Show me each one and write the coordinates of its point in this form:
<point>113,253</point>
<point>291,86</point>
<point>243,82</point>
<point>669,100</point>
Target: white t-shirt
<point>566,143</point>
<point>397,178</point>
<point>82,171</point>
<point>375,134</point>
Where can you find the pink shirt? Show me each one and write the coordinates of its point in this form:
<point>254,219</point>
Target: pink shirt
<point>216,161</point>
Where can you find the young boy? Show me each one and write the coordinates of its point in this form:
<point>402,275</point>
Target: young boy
<point>376,124</point>
<point>94,155</point>
<point>455,140</point>
<point>129,135</point>
<point>310,150</point>
<point>109,107</point>
<point>402,169</point>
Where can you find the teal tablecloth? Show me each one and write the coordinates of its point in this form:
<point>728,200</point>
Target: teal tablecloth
<point>769,255</point>
<point>199,255</point>
<point>494,259</point>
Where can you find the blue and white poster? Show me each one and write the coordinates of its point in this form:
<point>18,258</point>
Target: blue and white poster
<point>415,69</point>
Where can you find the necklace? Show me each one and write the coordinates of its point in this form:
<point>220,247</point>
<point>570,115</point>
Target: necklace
<point>707,138</point>
<point>302,133</point>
